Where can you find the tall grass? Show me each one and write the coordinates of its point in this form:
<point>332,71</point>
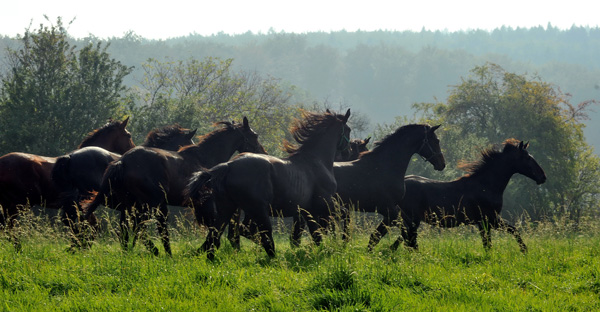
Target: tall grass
<point>451,271</point>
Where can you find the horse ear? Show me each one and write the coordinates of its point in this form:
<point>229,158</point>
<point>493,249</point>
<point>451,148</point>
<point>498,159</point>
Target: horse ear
<point>192,133</point>
<point>520,144</point>
<point>124,123</point>
<point>526,145</point>
<point>246,123</point>
<point>367,140</point>
<point>346,116</point>
<point>327,110</point>
<point>435,128</point>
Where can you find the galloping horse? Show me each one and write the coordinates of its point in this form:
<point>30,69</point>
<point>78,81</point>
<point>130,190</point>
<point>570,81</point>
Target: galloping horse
<point>148,178</point>
<point>25,179</point>
<point>375,181</point>
<point>302,183</point>
<point>475,198</point>
<point>357,146</point>
<point>78,174</point>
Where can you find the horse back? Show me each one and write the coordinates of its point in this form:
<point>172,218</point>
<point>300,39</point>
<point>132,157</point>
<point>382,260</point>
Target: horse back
<point>27,176</point>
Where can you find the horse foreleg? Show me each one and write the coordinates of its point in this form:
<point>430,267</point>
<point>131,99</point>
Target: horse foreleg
<point>513,230</point>
<point>298,225</point>
<point>484,231</point>
<point>409,232</point>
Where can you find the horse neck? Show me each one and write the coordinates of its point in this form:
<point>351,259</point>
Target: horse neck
<point>322,150</point>
<point>102,142</point>
<point>495,175</point>
<point>394,158</point>
<point>212,151</point>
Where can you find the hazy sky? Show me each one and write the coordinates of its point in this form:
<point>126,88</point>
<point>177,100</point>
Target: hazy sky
<point>174,18</point>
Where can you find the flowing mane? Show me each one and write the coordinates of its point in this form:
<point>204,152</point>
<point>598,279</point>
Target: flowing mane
<point>108,127</point>
<point>488,156</point>
<point>311,124</point>
<point>204,138</point>
<point>160,136</point>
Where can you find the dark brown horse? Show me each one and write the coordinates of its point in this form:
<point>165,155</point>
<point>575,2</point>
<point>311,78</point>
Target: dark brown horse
<point>475,198</point>
<point>25,179</point>
<point>357,146</point>
<point>147,178</point>
<point>375,182</point>
<point>302,183</point>
<point>78,174</point>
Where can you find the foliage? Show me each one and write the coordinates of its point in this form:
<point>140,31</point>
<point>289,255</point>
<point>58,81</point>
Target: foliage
<point>54,94</point>
<point>492,105</point>
<point>450,272</point>
<point>199,93</point>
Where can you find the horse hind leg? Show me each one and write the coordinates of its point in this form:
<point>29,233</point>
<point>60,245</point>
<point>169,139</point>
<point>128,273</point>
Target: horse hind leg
<point>162,226</point>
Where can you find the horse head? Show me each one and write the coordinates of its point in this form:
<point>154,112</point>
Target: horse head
<point>430,149</point>
<point>524,163</point>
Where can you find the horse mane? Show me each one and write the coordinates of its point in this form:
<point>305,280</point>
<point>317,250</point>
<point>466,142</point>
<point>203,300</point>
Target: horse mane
<point>91,136</point>
<point>488,156</point>
<point>391,138</point>
<point>203,138</point>
<point>160,135</point>
<point>311,124</point>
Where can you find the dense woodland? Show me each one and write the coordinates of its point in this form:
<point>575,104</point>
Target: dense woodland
<point>535,84</point>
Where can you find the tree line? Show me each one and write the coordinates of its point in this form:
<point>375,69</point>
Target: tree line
<point>54,90</point>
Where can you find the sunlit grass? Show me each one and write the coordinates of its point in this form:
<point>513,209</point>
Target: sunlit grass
<point>451,271</point>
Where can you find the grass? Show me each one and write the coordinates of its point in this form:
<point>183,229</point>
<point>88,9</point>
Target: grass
<point>451,271</point>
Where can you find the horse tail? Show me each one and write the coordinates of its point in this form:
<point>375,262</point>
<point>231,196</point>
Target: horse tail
<point>112,179</point>
<point>201,191</point>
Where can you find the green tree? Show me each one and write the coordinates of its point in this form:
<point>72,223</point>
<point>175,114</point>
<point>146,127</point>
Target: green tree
<point>492,105</point>
<point>54,94</point>
<point>197,94</point>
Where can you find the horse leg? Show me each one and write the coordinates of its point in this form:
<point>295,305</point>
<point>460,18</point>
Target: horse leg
<point>298,225</point>
<point>126,229</point>
<point>345,214</point>
<point>234,230</point>
<point>513,230</point>
<point>213,238</point>
<point>141,230</point>
<point>382,228</point>
<point>484,231</point>
<point>162,226</point>
<point>409,232</point>
<point>314,228</point>
<point>265,230</point>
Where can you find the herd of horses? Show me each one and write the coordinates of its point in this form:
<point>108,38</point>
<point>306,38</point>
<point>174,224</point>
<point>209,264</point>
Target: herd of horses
<point>323,169</point>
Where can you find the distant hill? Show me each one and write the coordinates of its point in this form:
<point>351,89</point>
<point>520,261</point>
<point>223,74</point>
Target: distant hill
<point>382,73</point>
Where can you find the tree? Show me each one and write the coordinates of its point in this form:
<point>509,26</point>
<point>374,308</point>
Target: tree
<point>492,105</point>
<point>199,93</point>
<point>53,94</point>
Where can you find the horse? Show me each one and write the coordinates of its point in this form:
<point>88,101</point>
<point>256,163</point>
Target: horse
<point>26,179</point>
<point>302,183</point>
<point>78,174</point>
<point>147,178</point>
<point>375,181</point>
<point>357,146</point>
<point>475,198</point>
<point>245,228</point>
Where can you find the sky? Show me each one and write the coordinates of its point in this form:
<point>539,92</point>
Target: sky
<point>175,18</point>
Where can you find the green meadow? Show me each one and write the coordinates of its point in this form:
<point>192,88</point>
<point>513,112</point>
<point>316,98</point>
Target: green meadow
<point>450,272</point>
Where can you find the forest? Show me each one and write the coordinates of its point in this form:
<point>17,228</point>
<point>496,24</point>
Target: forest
<point>537,84</point>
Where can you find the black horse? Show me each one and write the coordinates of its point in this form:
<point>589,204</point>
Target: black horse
<point>302,183</point>
<point>357,146</point>
<point>78,174</point>
<point>148,178</point>
<point>475,198</point>
<point>375,181</point>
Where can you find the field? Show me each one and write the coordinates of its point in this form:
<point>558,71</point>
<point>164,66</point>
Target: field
<point>450,272</point>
